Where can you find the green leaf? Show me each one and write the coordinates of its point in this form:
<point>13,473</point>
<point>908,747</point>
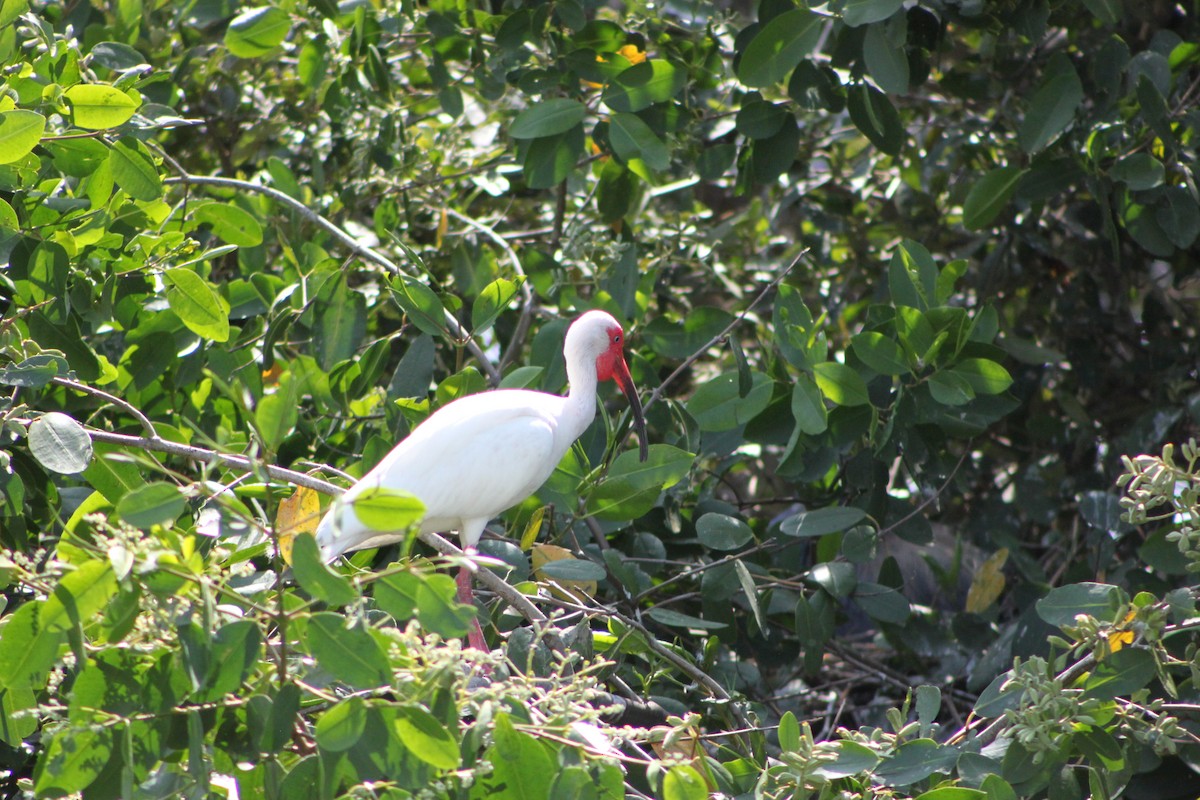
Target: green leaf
<point>717,404</point>
<point>950,389</point>
<point>275,418</point>
<point>1121,674</point>
<point>886,59</point>
<point>989,195</point>
<point>1179,216</point>
<point>874,115</point>
<point>722,532</point>
<point>928,702</point>
<point>852,759</point>
<point>550,159</point>
<point>882,603</point>
<point>197,303</point>
<point>236,648</point>
<point>60,444</point>
<point>28,649</point>
<point>34,372</point>
<point>20,132</point>
<point>317,579</point>
<point>822,521</point>
<point>73,758</point>
<point>257,31</point>
<point>79,596</point>
<point>953,793</point>
<point>814,620</point>
<point>522,767</point>
<point>841,384</point>
<point>683,782</point>
<point>18,715</point>
<point>420,303</point>
<point>397,594</point>
<point>340,728</point>
<point>676,619</point>
<point>96,107</point>
<point>632,138</point>
<point>750,590</point>
<point>915,760</point>
<point>761,120</point>
<point>642,85</point>
<point>808,406</point>
<point>492,301</point>
<point>632,487</point>
<point>388,510</point>
<point>838,578</point>
<point>864,12</point>
<point>1139,171</point>
<point>349,654</point>
<point>778,47</point>
<point>1052,108</point>
<point>438,610</point>
<point>984,375</point>
<point>134,170</point>
<point>117,55</point>
<point>1062,604</point>
<point>341,322</point>
<point>156,503</point>
<point>10,10</point>
<point>548,118</point>
<point>789,733</point>
<point>426,738</point>
<point>880,353</point>
<point>572,569</point>
<point>231,223</point>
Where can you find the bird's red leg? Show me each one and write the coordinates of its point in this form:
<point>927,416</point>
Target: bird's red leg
<point>465,595</point>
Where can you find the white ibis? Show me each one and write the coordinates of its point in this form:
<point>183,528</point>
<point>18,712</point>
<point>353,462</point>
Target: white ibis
<point>482,454</point>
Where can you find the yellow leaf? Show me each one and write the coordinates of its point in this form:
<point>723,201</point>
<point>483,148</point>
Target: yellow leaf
<point>270,377</point>
<point>543,554</point>
<point>533,528</point>
<point>297,514</point>
<point>442,228</point>
<point>988,583</point>
<point>632,54</point>
<point>1122,636</point>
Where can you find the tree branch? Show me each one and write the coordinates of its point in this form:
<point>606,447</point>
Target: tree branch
<point>346,240</point>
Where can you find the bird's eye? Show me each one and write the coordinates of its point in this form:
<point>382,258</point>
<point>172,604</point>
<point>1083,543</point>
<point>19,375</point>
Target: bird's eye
<point>616,338</point>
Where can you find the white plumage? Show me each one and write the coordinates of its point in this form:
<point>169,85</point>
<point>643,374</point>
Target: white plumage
<point>482,454</point>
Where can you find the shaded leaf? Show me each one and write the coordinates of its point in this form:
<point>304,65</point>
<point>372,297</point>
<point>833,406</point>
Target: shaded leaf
<point>547,118</point>
<point>156,503</point>
<point>778,47</point>
<point>257,31</point>
<point>60,444</point>
<point>198,304</point>
<point>989,195</point>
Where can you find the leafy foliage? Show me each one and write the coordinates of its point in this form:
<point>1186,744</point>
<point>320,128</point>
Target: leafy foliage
<point>906,282</point>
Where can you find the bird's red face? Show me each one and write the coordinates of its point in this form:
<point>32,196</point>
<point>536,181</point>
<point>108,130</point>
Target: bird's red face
<point>611,366</point>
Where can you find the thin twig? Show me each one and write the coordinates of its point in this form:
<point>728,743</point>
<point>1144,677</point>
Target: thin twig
<point>124,405</point>
<point>527,296</point>
<point>657,393</point>
<point>345,239</point>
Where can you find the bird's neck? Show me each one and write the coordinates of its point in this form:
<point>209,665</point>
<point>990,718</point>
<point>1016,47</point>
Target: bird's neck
<point>580,402</point>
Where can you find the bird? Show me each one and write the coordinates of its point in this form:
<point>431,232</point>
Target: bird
<point>484,453</point>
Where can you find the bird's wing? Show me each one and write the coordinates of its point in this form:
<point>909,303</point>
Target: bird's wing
<point>470,461</point>
<point>478,461</point>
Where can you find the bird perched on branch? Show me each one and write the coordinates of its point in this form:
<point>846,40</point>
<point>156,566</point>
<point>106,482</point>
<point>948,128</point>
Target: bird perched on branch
<point>484,453</point>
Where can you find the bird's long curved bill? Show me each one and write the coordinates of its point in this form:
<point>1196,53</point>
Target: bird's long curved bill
<point>625,381</point>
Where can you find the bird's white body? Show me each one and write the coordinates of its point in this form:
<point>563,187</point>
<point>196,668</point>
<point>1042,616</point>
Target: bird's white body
<point>467,463</point>
<point>482,454</point>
